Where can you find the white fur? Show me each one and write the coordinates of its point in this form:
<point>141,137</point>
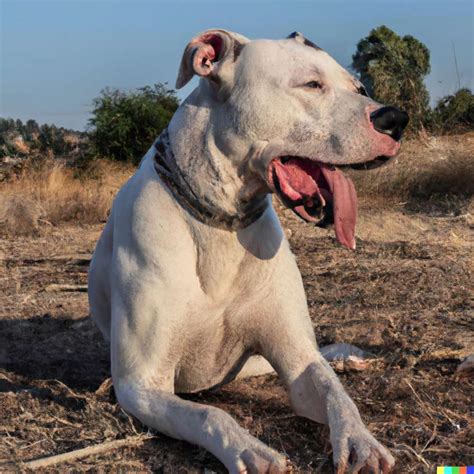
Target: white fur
<point>184,304</point>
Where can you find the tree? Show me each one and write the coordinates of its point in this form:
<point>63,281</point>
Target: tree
<point>124,124</point>
<point>392,69</point>
<point>19,126</point>
<point>46,137</point>
<point>7,125</point>
<point>455,112</point>
<point>31,128</point>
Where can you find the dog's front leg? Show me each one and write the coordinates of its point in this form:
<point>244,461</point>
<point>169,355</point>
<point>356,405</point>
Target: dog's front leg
<point>316,393</point>
<point>206,426</point>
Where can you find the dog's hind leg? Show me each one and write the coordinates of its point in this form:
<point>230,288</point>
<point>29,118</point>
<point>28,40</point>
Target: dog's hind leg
<point>258,365</point>
<point>343,351</point>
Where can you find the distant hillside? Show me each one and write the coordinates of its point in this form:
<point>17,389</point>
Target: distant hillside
<point>20,140</point>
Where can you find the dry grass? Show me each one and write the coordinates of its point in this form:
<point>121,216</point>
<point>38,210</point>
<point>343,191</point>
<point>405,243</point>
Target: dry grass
<point>435,167</point>
<point>52,193</point>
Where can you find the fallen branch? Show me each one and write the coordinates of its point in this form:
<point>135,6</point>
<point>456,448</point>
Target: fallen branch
<point>79,259</point>
<point>76,259</point>
<point>406,448</point>
<point>84,452</point>
<point>105,387</point>
<point>64,287</point>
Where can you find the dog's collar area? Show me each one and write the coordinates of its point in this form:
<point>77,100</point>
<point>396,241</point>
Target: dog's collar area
<point>167,168</point>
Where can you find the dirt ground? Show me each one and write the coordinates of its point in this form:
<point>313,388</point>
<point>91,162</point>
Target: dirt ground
<point>405,295</point>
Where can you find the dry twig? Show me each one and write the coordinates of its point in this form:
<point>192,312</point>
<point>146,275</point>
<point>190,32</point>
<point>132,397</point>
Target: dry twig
<point>65,287</point>
<point>85,452</point>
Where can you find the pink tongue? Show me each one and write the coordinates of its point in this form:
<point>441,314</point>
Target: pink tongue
<point>299,179</point>
<point>344,206</point>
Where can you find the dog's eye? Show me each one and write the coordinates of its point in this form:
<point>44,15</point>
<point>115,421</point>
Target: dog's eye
<point>314,85</point>
<point>362,91</point>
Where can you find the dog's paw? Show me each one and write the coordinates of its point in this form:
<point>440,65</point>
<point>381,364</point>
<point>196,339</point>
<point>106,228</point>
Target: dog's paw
<point>356,450</point>
<point>259,458</point>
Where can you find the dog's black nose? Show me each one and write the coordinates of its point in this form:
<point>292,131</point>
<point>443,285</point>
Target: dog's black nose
<point>390,121</point>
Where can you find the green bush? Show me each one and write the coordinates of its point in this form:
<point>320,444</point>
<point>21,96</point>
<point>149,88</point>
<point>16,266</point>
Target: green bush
<point>454,113</point>
<point>124,124</point>
<point>392,69</point>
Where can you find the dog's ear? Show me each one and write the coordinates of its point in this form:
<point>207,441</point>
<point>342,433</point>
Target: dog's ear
<point>296,35</point>
<point>206,52</point>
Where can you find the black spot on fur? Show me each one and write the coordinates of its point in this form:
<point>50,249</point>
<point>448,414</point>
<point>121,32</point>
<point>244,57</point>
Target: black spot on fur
<point>336,144</point>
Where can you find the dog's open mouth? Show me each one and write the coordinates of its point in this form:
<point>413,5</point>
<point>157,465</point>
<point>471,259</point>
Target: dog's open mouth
<point>319,193</point>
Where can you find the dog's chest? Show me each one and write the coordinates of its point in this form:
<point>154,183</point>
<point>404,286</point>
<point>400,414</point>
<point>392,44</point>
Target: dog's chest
<point>218,265</point>
<point>236,272</point>
<point>225,267</point>
<point>219,334</point>
<point>211,359</point>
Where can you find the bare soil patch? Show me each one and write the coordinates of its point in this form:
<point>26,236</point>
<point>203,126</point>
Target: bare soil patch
<point>405,294</point>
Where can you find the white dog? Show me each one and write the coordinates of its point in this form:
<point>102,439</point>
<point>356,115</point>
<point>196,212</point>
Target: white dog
<point>193,281</point>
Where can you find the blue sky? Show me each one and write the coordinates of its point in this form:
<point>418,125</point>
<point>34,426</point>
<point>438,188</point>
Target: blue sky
<point>56,56</point>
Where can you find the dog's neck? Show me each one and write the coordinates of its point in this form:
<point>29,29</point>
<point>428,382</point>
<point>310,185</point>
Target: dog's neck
<point>205,182</point>
<point>214,187</point>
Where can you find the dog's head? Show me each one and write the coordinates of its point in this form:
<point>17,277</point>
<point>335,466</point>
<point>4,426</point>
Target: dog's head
<point>293,115</point>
